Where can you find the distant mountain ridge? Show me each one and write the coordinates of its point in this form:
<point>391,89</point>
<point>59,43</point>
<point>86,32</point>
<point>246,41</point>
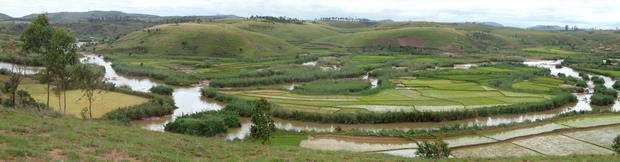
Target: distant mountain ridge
<point>546,27</point>
<point>93,14</point>
<point>4,16</point>
<point>485,23</point>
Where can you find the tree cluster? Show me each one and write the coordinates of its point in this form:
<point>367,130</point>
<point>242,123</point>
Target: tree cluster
<point>62,66</point>
<point>343,19</point>
<point>261,27</point>
<point>281,19</point>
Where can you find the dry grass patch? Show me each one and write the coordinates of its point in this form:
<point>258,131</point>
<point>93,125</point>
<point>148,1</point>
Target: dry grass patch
<point>104,102</point>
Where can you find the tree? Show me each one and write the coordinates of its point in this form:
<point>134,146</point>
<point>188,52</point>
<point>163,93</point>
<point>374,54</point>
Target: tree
<point>88,78</point>
<point>433,149</point>
<point>36,39</point>
<point>62,53</point>
<point>17,72</point>
<point>263,123</point>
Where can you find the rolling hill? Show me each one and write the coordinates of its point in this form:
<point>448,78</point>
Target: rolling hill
<point>91,14</point>
<point>288,32</point>
<point>4,16</point>
<point>444,35</point>
<point>202,40</point>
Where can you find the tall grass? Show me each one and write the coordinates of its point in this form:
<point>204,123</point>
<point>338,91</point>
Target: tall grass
<point>289,77</point>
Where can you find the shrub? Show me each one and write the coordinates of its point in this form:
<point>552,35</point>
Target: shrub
<point>162,89</point>
<point>616,144</point>
<point>433,149</point>
<point>600,89</point>
<point>155,107</point>
<point>206,123</point>
<point>601,99</point>
<point>597,80</point>
<point>616,85</point>
<point>581,83</point>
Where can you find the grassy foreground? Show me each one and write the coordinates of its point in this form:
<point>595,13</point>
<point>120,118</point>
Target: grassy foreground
<point>47,136</point>
<point>27,136</point>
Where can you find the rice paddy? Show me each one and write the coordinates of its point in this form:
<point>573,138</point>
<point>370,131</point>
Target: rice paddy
<point>493,150</point>
<point>589,121</point>
<point>441,95</point>
<point>556,144</point>
<point>504,135</point>
<point>539,83</point>
<point>335,143</point>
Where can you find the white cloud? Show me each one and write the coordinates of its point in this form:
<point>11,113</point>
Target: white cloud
<point>521,13</point>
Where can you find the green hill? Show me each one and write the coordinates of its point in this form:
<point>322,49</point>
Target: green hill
<point>447,35</point>
<point>109,28</point>
<point>288,32</point>
<point>435,37</point>
<point>202,40</point>
<point>90,14</point>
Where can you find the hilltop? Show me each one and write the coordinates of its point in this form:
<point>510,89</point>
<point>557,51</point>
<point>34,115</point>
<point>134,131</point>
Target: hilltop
<point>91,14</point>
<point>202,40</point>
<point>288,32</point>
<point>546,27</point>
<point>449,36</point>
<point>4,16</point>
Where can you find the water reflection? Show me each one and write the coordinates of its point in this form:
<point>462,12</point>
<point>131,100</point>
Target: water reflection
<point>26,69</point>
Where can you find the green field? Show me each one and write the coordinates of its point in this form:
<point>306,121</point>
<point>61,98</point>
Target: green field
<point>539,83</point>
<point>442,95</point>
<point>551,49</point>
<point>318,50</point>
<point>372,57</point>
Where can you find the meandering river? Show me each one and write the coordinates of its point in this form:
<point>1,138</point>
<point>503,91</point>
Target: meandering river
<point>189,100</point>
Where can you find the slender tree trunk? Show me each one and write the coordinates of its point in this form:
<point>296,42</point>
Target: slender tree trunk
<point>14,96</point>
<point>90,109</point>
<point>64,91</point>
<point>48,89</point>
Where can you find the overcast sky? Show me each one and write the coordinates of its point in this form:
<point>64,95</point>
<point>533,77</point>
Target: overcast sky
<point>521,13</point>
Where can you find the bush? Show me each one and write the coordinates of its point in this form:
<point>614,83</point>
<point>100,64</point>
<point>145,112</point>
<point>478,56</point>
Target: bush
<point>155,107</point>
<point>162,89</point>
<point>200,127</point>
<point>600,89</point>
<point>581,83</point>
<point>206,123</point>
<point>616,85</point>
<point>616,144</point>
<point>597,80</point>
<point>601,99</point>
<point>433,149</point>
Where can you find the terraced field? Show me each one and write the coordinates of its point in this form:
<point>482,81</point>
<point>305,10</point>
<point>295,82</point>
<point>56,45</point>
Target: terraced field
<point>581,135</point>
<point>437,95</point>
<point>539,83</point>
